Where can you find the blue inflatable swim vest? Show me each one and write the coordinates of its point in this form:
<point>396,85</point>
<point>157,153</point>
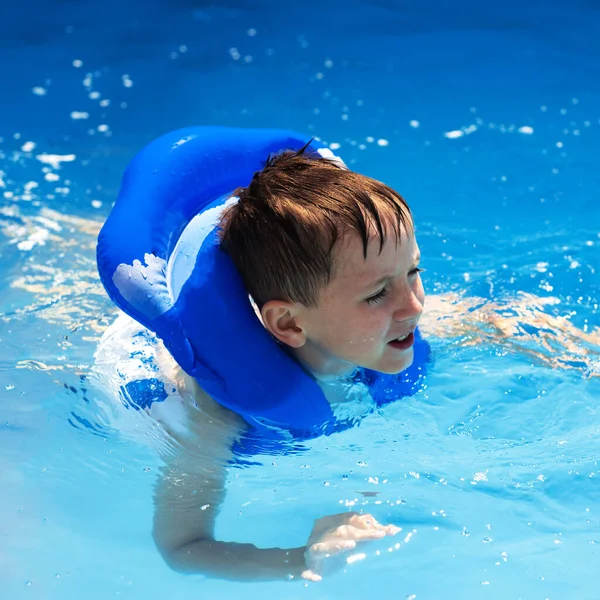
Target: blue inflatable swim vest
<point>159,259</point>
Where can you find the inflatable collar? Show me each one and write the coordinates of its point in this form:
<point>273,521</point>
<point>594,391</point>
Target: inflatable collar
<point>159,259</point>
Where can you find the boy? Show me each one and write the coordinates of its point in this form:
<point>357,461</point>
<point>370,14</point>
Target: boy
<point>331,260</point>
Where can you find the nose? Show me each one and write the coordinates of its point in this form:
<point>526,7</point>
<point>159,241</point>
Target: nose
<point>410,305</point>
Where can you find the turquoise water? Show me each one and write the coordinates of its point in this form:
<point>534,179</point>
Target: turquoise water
<point>486,120</point>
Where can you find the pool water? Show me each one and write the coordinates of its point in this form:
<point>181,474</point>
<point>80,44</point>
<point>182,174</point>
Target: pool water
<point>486,119</point>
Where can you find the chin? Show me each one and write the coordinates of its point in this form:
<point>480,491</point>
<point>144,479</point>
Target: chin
<point>397,366</point>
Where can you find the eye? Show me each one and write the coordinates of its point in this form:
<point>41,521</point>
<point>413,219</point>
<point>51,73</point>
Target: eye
<point>415,271</point>
<point>378,297</point>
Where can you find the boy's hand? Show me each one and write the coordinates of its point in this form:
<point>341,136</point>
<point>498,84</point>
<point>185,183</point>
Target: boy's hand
<point>334,536</point>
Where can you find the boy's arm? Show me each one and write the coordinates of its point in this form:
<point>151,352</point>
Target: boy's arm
<point>191,488</point>
<point>187,500</point>
<point>522,324</point>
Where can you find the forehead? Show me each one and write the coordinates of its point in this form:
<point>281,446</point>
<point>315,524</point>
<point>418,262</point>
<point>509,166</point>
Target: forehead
<point>349,263</point>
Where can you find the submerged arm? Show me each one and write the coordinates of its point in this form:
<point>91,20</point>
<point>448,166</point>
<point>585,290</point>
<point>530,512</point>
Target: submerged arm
<point>521,324</point>
<point>191,489</point>
<point>187,501</point>
<point>186,505</point>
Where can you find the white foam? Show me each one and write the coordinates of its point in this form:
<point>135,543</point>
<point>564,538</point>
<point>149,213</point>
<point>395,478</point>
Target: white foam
<point>55,160</point>
<point>37,238</point>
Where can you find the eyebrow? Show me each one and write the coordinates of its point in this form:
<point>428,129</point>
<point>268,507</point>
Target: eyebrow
<point>388,278</point>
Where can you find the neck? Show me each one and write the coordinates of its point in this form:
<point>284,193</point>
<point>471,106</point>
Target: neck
<point>324,367</point>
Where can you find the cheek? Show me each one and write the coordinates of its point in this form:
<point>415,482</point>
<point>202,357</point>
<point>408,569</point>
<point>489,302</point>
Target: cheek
<point>360,330</point>
<point>373,327</point>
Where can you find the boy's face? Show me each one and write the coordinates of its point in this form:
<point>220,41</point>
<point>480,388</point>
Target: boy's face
<point>367,307</point>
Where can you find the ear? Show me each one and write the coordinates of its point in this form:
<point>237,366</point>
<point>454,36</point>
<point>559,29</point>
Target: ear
<point>279,319</point>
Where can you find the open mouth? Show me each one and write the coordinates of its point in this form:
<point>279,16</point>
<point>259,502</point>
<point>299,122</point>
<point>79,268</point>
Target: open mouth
<point>404,342</point>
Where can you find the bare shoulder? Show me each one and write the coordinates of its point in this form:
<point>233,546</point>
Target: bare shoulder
<point>209,427</point>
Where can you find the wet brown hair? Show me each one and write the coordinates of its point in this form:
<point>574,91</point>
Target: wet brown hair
<point>281,233</point>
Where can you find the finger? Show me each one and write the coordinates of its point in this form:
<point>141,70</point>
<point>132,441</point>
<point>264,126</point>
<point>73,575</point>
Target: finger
<point>332,547</point>
<point>310,575</point>
<point>354,533</point>
<point>392,529</point>
<point>332,521</point>
<point>370,534</point>
<point>363,521</point>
